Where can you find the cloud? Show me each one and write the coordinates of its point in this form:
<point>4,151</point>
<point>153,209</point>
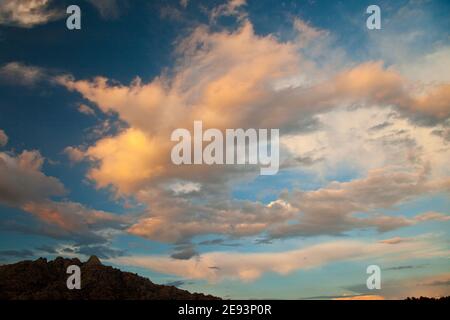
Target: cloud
<point>175,219</point>
<point>115,168</point>
<point>238,79</point>
<point>378,137</point>
<point>22,180</point>
<point>74,218</point>
<point>185,187</point>
<point>415,49</point>
<point>101,251</point>
<point>333,209</point>
<point>372,83</point>
<point>333,114</point>
<point>18,73</point>
<point>250,266</point>
<point>443,133</point>
<point>27,13</point>
<point>307,33</point>
<point>25,186</point>
<point>404,267</point>
<point>74,154</point>
<point>433,216</point>
<point>433,66</point>
<point>169,223</point>
<point>177,283</point>
<point>395,240</point>
<point>221,242</point>
<point>437,283</point>
<point>217,241</point>
<point>86,110</point>
<point>184,252</point>
<point>3,138</point>
<point>215,72</point>
<point>47,249</point>
<point>230,8</point>
<point>69,221</point>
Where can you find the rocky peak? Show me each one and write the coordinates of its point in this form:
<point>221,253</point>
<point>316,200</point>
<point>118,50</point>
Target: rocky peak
<point>93,261</point>
<point>41,280</point>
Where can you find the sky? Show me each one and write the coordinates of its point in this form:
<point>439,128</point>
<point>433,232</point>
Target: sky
<point>364,119</point>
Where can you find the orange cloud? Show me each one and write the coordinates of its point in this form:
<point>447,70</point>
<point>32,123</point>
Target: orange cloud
<point>127,160</point>
<point>23,185</point>
<point>231,79</point>
<point>394,240</point>
<point>73,217</point>
<point>3,138</point>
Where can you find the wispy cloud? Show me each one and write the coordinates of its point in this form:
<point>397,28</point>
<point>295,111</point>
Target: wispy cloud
<point>18,73</point>
<point>25,186</point>
<point>28,13</point>
<point>217,266</point>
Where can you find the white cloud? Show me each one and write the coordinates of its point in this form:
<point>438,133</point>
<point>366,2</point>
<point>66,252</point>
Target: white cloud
<point>185,187</point>
<point>369,138</point>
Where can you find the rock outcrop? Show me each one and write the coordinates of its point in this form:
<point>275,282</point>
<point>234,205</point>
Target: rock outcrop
<point>46,280</point>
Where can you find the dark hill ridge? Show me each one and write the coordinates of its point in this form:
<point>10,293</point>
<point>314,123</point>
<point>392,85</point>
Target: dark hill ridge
<point>46,280</point>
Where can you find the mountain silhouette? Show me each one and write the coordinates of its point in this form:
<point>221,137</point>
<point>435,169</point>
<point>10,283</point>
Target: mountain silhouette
<point>46,280</point>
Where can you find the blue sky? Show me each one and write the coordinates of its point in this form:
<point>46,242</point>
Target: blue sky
<point>85,126</point>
